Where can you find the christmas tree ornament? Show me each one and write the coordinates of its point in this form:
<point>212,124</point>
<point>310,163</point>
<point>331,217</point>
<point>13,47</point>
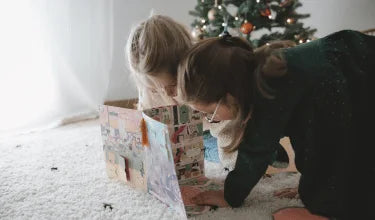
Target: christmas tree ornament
<point>197,33</point>
<point>247,27</point>
<point>212,14</point>
<point>266,12</point>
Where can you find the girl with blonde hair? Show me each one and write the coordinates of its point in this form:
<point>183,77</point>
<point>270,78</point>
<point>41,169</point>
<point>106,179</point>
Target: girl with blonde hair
<point>154,49</point>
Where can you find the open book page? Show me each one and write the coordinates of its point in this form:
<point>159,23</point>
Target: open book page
<point>162,180</point>
<point>122,145</point>
<point>171,167</point>
<point>186,137</point>
<point>185,130</point>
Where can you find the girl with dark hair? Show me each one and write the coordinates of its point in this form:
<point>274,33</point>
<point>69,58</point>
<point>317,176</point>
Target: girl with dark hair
<point>318,94</point>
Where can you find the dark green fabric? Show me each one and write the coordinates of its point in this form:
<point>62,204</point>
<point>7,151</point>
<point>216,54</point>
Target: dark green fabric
<point>321,104</point>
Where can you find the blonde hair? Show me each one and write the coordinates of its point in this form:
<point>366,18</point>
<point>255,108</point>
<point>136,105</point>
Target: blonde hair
<point>219,66</point>
<point>156,44</point>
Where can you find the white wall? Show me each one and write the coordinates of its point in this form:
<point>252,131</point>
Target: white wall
<point>332,15</point>
<point>326,15</point>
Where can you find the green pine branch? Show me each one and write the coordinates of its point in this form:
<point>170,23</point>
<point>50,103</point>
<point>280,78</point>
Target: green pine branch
<point>251,11</point>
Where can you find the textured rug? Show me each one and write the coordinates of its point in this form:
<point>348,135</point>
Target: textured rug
<point>60,174</point>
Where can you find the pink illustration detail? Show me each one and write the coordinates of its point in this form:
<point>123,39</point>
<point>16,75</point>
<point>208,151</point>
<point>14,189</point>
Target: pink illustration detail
<point>175,135</point>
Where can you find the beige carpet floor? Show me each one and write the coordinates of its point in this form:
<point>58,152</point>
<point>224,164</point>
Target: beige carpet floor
<point>60,174</point>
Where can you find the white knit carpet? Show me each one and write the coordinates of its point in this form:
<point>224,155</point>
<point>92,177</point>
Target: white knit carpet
<point>78,186</point>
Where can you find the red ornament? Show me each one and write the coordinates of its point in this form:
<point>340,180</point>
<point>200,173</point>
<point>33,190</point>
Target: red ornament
<point>266,12</point>
<point>247,27</point>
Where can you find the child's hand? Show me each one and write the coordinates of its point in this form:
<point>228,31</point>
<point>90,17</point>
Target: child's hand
<point>291,193</point>
<point>215,198</point>
<point>296,213</point>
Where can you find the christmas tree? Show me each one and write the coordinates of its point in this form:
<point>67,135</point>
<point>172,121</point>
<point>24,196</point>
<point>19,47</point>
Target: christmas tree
<point>244,17</point>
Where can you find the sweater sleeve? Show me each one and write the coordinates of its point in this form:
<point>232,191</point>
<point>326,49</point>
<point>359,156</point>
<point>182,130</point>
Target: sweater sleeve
<point>255,153</point>
<point>258,148</point>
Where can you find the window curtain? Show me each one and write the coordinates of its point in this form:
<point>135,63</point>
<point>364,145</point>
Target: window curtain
<point>55,61</point>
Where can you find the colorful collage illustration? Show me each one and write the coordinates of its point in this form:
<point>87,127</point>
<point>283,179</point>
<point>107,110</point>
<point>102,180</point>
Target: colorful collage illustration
<point>172,167</point>
<point>122,145</point>
<point>186,135</point>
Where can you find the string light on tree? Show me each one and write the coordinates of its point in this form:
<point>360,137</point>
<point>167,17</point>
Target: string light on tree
<point>290,20</point>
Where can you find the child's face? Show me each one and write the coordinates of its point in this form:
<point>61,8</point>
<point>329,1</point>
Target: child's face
<point>223,112</point>
<point>164,81</point>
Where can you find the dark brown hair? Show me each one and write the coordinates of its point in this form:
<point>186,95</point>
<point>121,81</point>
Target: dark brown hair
<point>217,66</point>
